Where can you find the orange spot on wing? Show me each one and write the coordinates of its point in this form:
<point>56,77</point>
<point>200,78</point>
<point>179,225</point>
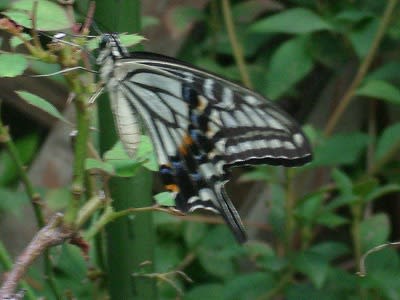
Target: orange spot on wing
<point>172,187</point>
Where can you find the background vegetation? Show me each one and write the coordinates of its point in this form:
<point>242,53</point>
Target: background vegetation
<point>334,65</point>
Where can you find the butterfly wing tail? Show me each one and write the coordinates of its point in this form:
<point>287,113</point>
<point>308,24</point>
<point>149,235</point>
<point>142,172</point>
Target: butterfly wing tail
<point>230,214</point>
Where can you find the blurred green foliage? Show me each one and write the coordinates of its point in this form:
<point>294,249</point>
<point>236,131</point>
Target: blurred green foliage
<point>321,217</point>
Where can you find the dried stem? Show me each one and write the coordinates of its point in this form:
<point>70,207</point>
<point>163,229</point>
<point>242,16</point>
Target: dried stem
<point>236,46</point>
<point>54,233</point>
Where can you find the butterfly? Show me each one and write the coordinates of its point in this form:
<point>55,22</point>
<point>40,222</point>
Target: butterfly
<point>200,124</point>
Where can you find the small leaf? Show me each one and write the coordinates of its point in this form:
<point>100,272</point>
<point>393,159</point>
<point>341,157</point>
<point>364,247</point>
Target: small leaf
<point>382,191</point>
<point>381,90</point>
<point>27,147</point>
<point>194,233</point>
<point>308,209</point>
<point>362,37</point>
<point>389,141</point>
<point>146,154</point>
<point>41,103</point>
<point>353,15</point>
<point>12,65</point>
<point>374,231</point>
<point>331,220</point>
<point>49,16</point>
<point>165,199</point>
<point>340,149</point>
<point>296,20</point>
<point>123,165</point>
<point>249,286</point>
<point>289,64</point>
<point>315,266</point>
<point>127,40</point>
<point>343,181</point>
<point>387,72</point>
<point>15,41</point>
<point>12,201</point>
<point>210,291</point>
<point>216,253</point>
<point>330,250</point>
<point>95,164</point>
<point>342,200</point>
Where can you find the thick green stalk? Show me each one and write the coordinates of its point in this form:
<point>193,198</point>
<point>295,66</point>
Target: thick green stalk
<point>130,241</point>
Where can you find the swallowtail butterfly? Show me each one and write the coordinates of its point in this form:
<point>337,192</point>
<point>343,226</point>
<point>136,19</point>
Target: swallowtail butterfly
<point>200,125</point>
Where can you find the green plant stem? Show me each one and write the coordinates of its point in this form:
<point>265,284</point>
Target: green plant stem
<point>289,211</point>
<point>12,150</point>
<point>83,122</point>
<point>362,70</point>
<point>34,197</point>
<point>357,212</point>
<point>236,46</point>
<point>109,215</point>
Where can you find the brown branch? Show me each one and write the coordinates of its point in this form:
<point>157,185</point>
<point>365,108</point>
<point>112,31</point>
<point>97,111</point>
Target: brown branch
<point>54,233</point>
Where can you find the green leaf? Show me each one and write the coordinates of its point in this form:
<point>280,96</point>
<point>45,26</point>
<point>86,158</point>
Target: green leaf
<point>249,286</point>
<point>258,173</point>
<point>387,72</point>
<point>344,183</point>
<point>342,200</point>
<point>27,147</point>
<point>211,291</point>
<point>374,231</point>
<point>389,141</point>
<point>127,40</point>
<point>331,220</point>
<point>330,250</point>
<point>365,186</point>
<point>315,266</point>
<point>95,164</point>
<point>41,103</point>
<point>11,201</point>
<point>122,164</point>
<point>16,41</point>
<point>183,16</point>
<point>216,253</point>
<point>308,209</point>
<point>194,233</point>
<point>290,63</point>
<point>165,199</point>
<point>296,20</point>
<point>146,154</point>
<point>168,256</point>
<point>49,16</point>
<point>352,15</point>
<point>362,37</point>
<point>276,215</point>
<point>340,149</point>
<point>12,65</point>
<point>381,90</point>
<point>382,191</point>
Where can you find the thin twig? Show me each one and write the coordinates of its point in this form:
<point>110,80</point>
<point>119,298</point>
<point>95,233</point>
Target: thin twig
<point>35,36</point>
<point>362,70</point>
<point>363,270</point>
<point>236,46</point>
<point>54,233</point>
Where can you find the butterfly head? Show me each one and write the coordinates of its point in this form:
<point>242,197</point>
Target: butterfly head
<point>110,46</point>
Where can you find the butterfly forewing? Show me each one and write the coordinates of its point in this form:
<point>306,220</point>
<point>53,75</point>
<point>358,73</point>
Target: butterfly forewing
<point>200,125</point>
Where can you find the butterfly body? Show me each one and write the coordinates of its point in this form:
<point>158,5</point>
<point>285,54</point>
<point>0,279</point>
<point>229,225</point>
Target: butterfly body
<point>200,125</point>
